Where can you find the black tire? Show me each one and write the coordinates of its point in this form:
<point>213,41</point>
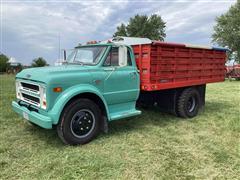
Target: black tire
<point>80,122</point>
<point>188,103</point>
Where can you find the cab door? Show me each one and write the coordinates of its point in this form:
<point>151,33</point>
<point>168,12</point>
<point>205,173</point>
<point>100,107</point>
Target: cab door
<point>121,83</point>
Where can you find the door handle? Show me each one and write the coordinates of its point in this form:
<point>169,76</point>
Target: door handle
<point>133,73</point>
<point>109,69</point>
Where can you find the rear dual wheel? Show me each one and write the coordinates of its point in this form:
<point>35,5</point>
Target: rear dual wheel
<point>79,122</point>
<point>188,103</point>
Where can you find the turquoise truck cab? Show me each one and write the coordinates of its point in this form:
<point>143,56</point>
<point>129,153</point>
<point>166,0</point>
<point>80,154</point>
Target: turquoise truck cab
<point>97,83</point>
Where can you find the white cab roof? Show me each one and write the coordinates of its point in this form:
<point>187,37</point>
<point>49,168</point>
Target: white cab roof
<point>129,40</point>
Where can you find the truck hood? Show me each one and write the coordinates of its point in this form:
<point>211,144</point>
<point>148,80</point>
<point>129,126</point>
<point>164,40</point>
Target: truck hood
<point>46,74</point>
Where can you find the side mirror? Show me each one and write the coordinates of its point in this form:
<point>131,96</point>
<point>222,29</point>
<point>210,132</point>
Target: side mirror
<point>122,56</point>
<point>64,55</point>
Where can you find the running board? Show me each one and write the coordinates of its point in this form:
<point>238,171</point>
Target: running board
<point>124,114</point>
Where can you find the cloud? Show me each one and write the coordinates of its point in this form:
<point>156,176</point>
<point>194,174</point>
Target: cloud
<point>37,26</point>
<point>195,22</point>
<point>32,28</point>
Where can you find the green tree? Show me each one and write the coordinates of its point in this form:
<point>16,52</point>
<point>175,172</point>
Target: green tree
<point>121,31</point>
<point>152,27</point>
<point>3,62</point>
<point>39,62</point>
<point>227,30</point>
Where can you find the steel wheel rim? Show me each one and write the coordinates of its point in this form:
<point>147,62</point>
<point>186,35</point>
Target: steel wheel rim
<point>191,104</point>
<point>82,123</point>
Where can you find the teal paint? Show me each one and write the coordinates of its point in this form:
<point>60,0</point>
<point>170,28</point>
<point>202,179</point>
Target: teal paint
<point>117,87</point>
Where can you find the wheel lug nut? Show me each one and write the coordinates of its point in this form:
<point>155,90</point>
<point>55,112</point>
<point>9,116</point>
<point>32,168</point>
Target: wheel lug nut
<point>81,128</point>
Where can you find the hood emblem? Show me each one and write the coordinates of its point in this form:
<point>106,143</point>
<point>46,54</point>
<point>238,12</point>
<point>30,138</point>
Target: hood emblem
<point>28,76</point>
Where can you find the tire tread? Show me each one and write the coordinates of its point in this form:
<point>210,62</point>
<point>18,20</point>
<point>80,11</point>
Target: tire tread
<point>66,139</point>
<point>182,101</point>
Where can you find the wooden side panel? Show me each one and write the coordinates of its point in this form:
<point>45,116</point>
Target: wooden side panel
<point>168,66</point>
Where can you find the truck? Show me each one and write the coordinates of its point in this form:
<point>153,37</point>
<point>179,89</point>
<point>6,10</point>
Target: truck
<point>100,82</point>
<point>233,71</point>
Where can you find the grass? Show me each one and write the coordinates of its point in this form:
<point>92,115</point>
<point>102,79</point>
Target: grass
<point>151,146</point>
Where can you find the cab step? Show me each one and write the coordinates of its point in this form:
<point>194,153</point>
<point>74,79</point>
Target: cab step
<point>124,114</point>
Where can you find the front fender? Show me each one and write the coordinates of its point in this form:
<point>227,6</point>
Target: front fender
<point>68,94</point>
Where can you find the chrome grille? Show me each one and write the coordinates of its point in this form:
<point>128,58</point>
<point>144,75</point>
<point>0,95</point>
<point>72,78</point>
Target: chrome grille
<point>30,87</point>
<point>30,93</point>
<point>32,99</point>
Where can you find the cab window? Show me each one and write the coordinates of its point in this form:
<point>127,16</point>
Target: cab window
<point>112,58</point>
<point>129,61</point>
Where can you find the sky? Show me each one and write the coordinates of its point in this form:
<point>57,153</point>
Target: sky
<point>31,29</point>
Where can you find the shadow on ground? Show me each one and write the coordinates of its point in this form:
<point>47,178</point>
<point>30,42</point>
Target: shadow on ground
<point>148,117</point>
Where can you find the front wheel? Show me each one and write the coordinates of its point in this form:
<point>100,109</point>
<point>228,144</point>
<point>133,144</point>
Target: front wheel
<point>188,103</point>
<point>79,122</point>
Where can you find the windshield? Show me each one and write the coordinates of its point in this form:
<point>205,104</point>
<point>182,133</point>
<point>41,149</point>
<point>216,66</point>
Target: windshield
<point>86,55</point>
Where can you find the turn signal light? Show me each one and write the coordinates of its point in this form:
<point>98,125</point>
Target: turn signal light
<point>44,103</point>
<point>57,89</point>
